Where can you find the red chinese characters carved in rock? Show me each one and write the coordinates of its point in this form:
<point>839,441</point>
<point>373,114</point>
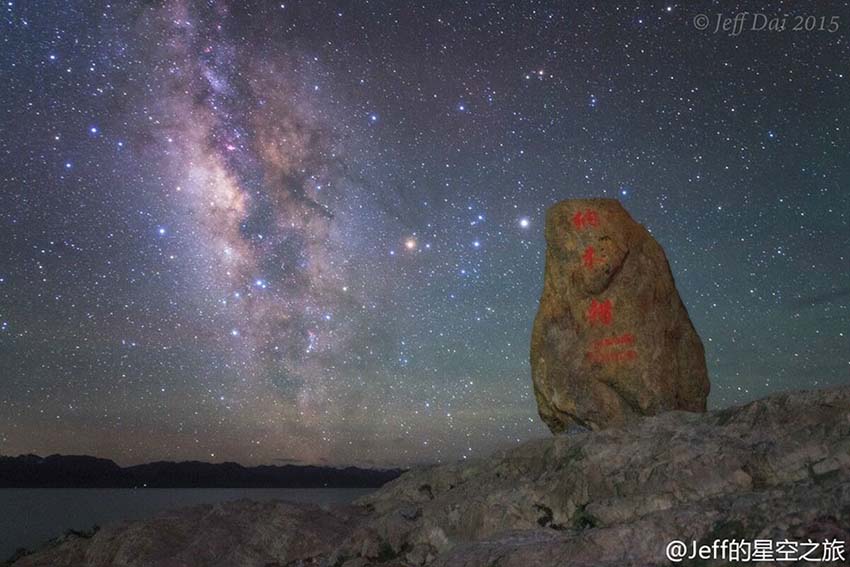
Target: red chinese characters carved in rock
<point>615,356</point>
<point>624,339</point>
<point>601,312</point>
<point>585,219</point>
<point>609,349</point>
<point>589,257</point>
<point>606,350</point>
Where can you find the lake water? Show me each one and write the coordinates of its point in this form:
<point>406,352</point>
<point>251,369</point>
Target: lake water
<point>30,517</point>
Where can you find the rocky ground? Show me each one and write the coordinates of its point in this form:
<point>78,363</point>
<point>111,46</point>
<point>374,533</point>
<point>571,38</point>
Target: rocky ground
<point>774,469</point>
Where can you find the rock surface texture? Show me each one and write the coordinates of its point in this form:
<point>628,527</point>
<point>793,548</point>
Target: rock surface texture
<point>778,468</point>
<point>612,340</point>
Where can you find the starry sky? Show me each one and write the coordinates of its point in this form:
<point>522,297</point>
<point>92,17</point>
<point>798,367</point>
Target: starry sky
<point>313,232</point>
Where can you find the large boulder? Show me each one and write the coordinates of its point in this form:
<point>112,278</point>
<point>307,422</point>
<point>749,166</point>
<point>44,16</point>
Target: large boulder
<point>612,340</point>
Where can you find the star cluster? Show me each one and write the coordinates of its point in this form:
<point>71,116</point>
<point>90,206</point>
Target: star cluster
<point>312,231</point>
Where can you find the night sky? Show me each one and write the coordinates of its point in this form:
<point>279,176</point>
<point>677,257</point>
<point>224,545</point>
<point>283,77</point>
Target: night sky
<point>312,232</point>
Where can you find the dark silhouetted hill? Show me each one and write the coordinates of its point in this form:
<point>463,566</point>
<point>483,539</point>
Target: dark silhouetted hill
<point>80,471</point>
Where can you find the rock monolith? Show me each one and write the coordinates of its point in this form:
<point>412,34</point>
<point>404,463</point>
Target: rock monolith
<point>612,340</point>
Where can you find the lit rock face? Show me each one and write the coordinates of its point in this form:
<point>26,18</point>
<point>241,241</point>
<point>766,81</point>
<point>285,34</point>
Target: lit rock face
<point>612,340</point>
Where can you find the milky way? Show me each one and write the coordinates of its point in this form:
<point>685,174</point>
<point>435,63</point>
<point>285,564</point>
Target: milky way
<point>273,215</point>
<point>262,191</point>
<point>312,231</point>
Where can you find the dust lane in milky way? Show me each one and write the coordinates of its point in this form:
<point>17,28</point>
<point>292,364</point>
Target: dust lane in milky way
<point>273,212</point>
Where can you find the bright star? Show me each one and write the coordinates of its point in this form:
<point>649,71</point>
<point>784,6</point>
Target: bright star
<point>523,222</point>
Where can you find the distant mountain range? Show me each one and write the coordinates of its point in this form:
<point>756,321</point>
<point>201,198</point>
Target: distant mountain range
<point>81,471</point>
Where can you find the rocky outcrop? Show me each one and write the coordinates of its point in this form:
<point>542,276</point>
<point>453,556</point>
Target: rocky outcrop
<point>612,340</point>
<point>242,533</point>
<point>774,469</point>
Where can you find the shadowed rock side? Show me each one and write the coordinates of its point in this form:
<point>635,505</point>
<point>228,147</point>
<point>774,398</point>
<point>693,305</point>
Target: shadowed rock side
<point>774,469</point>
<point>612,340</point>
